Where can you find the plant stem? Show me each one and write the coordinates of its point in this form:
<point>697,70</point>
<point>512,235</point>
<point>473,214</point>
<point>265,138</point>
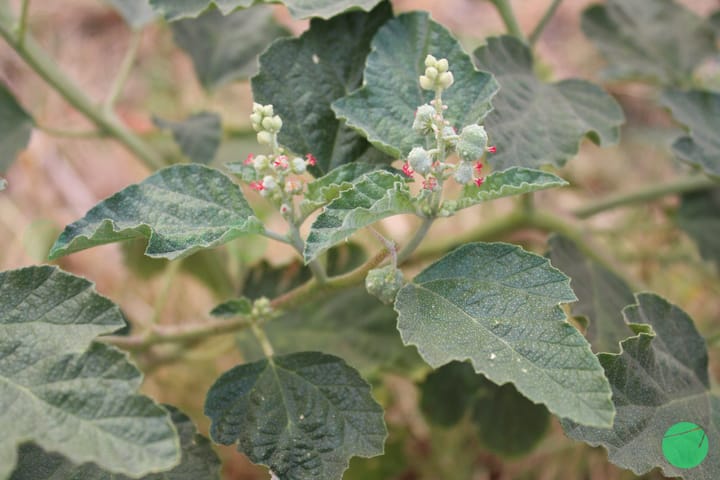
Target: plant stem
<point>58,132</point>
<point>170,273</point>
<point>650,192</point>
<point>296,241</point>
<point>124,72</point>
<point>276,236</point>
<point>41,63</point>
<point>22,26</point>
<point>535,35</point>
<point>263,340</point>
<point>415,241</point>
<point>508,16</point>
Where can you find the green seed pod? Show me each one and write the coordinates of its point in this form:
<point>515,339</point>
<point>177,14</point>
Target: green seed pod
<point>384,283</point>
<point>472,143</point>
<point>420,160</point>
<point>264,138</point>
<point>424,117</point>
<point>464,173</point>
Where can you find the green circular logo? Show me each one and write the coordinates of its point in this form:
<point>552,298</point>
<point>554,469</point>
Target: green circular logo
<point>685,445</point>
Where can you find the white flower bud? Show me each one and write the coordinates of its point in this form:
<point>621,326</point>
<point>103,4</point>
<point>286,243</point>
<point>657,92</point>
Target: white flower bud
<point>276,123</point>
<point>472,143</point>
<point>419,160</point>
<point>269,183</point>
<point>256,118</point>
<point>430,61</point>
<point>442,65</point>
<point>426,83</point>
<point>261,163</point>
<point>446,79</point>
<point>267,110</point>
<point>267,124</point>
<point>257,108</point>
<point>264,138</point>
<point>431,73</point>
<point>297,165</point>
<point>424,117</point>
<point>464,173</point>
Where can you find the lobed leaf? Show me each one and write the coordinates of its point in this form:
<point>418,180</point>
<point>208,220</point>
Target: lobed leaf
<point>383,109</point>
<point>513,181</point>
<point>498,306</point>
<point>199,461</point>
<point>137,13</point>
<point>659,378</point>
<point>699,217</point>
<point>376,195</point>
<point>534,123</point>
<point>66,394</point>
<point>303,415</point>
<point>327,188</point>
<point>699,110</point>
<point>180,209</point>
<point>15,128</point>
<point>601,293</point>
<point>301,77</point>
<point>198,136</point>
<point>224,48</point>
<point>653,40</point>
<point>176,9</point>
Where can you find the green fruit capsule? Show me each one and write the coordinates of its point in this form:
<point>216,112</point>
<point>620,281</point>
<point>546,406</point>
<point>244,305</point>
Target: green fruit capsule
<point>419,160</point>
<point>472,143</point>
<point>384,283</point>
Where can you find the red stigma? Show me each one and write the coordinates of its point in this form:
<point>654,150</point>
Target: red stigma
<point>492,149</point>
<point>407,170</point>
<point>249,159</point>
<point>257,186</point>
<point>479,181</point>
<point>311,160</point>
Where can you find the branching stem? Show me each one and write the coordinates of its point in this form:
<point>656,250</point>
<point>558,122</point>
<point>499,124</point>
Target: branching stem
<point>537,31</point>
<point>508,17</point>
<point>124,72</point>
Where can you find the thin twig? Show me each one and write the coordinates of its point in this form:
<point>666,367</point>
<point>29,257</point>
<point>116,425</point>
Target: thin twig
<point>124,72</point>
<point>537,31</point>
<point>508,17</point>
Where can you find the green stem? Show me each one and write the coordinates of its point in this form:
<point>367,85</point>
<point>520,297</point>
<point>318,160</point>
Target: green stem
<point>170,274</point>
<point>124,72</point>
<point>650,192</point>
<point>276,236</point>
<point>296,241</point>
<point>263,340</point>
<point>41,63</point>
<point>508,17</point>
<point>537,31</point>
<point>415,241</point>
<point>22,26</point>
<point>59,132</point>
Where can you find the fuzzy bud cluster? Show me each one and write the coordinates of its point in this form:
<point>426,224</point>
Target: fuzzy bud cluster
<point>424,119</point>
<point>473,143</point>
<point>265,122</point>
<point>437,76</point>
<point>384,283</point>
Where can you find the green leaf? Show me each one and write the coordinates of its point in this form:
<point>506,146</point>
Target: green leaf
<point>226,48</point>
<point>66,394</point>
<point>498,306</point>
<point>180,209</point>
<point>15,128</point>
<point>700,111</point>
<point>601,293</point>
<point>326,8</point>
<point>301,77</point>
<point>137,13</point>
<point>513,181</point>
<point>659,378</point>
<point>303,415</point>
<point>199,461</point>
<point>231,308</point>
<point>376,195</point>
<point>177,9</point>
<point>383,109</point>
<point>699,217</point>
<point>508,423</point>
<point>198,136</point>
<point>534,123</point>
<point>369,338</point>
<point>651,40</point>
<point>327,188</point>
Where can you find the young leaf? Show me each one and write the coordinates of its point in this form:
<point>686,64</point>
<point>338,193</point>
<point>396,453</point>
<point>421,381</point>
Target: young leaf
<point>231,308</point>
<point>601,293</point>
<point>176,9</point>
<point>699,217</point>
<point>301,77</point>
<point>534,123</point>
<point>198,136</point>
<point>199,461</point>
<point>659,378</point>
<point>383,109</point>
<point>303,415</point>
<point>513,181</point>
<point>376,195</point>
<point>699,110</point>
<point>653,40</point>
<point>180,209</point>
<point>328,187</point>
<point>15,128</point>
<point>508,423</point>
<point>137,13</point>
<point>226,48</point>
<point>498,306</point>
<point>66,394</point>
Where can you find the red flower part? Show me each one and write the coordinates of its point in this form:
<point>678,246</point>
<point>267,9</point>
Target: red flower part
<point>407,170</point>
<point>281,162</point>
<point>492,149</point>
<point>478,167</point>
<point>249,159</point>
<point>311,160</point>
<point>430,183</point>
<point>257,186</point>
<point>479,181</point>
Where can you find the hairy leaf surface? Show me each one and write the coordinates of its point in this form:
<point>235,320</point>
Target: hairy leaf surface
<point>534,123</point>
<point>226,48</point>
<point>301,77</point>
<point>328,187</point>
<point>175,9</point>
<point>699,217</point>
<point>66,394</point>
<point>303,415</point>
<point>376,195</point>
<point>383,109</point>
<point>654,40</point>
<point>199,461</point>
<point>15,128</point>
<point>659,378</point>
<point>601,293</point>
<point>180,209</point>
<point>137,13</point>
<point>198,136</point>
<point>498,306</point>
<point>700,111</point>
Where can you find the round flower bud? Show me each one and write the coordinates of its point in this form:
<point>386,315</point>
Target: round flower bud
<point>261,163</point>
<point>464,173</point>
<point>264,138</point>
<point>430,61</point>
<point>431,73</point>
<point>442,65</point>
<point>384,283</point>
<point>269,183</point>
<point>426,83</point>
<point>276,123</point>
<point>267,124</point>
<point>472,143</point>
<point>267,110</point>
<point>446,79</point>
<point>256,118</point>
<point>419,160</point>
<point>257,108</point>
<point>297,165</point>
<point>424,117</point>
